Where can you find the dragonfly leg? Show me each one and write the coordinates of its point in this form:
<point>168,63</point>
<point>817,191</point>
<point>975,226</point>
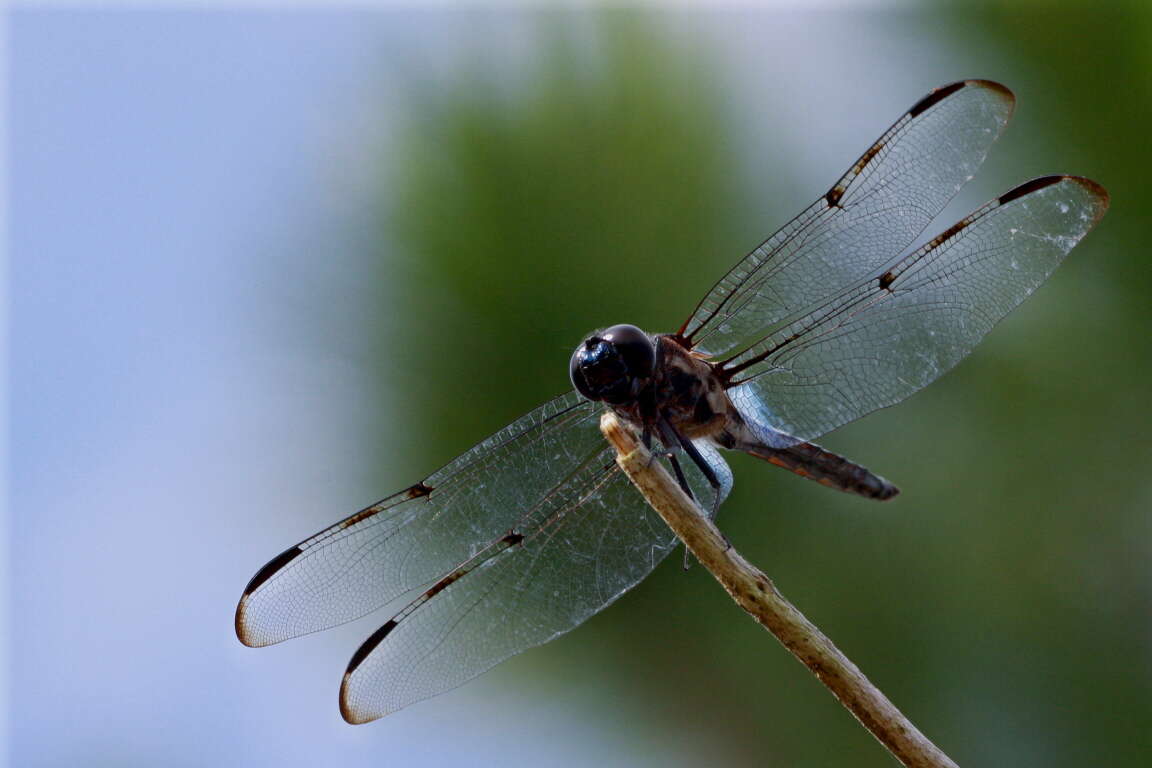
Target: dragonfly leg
<point>683,483</point>
<point>681,480</point>
<point>670,443</point>
<point>646,439</point>
<point>701,463</point>
<point>704,467</point>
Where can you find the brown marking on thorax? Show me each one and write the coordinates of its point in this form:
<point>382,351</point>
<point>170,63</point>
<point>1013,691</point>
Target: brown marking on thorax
<point>689,392</point>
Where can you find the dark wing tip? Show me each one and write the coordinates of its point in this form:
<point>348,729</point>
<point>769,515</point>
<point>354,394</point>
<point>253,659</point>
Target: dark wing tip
<point>1028,187</point>
<point>1103,199</point>
<point>369,645</point>
<point>1004,91</point>
<point>934,97</point>
<point>347,711</point>
<point>240,623</point>
<point>937,95</point>
<point>350,716</point>
<point>270,569</point>
<point>1033,185</point>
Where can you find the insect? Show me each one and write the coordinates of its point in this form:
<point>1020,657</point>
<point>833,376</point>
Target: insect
<point>535,529</point>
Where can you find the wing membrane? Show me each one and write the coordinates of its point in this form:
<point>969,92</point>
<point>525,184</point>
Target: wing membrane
<point>875,211</point>
<point>415,536</point>
<point>522,538</point>
<point>877,342</point>
<point>586,544</point>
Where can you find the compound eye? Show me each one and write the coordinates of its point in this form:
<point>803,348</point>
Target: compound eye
<point>634,347</point>
<point>577,365</point>
<point>613,365</point>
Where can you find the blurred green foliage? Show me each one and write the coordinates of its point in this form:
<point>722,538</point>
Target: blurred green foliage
<point>1003,600</point>
<point>524,219</point>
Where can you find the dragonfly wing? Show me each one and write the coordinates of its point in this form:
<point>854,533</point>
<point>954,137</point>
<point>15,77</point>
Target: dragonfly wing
<point>589,540</point>
<point>875,211</point>
<point>415,536</point>
<point>878,341</point>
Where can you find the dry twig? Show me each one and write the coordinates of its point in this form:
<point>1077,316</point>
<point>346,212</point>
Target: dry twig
<point>757,595</point>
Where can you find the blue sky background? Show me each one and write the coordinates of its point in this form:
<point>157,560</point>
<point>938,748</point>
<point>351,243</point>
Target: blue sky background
<point>190,194</point>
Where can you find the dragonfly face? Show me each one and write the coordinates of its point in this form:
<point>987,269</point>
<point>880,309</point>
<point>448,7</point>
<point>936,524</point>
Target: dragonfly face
<point>532,531</point>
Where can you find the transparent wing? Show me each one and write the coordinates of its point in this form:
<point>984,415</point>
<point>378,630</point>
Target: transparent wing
<point>587,542</point>
<point>415,536</point>
<point>878,341</point>
<point>875,211</point>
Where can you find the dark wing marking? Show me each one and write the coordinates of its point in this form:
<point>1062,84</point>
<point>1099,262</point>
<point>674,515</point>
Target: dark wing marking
<point>413,537</point>
<point>875,211</point>
<point>885,337</point>
<point>588,541</point>
<point>521,539</point>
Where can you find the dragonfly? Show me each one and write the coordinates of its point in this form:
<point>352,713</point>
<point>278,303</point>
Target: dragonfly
<point>529,533</point>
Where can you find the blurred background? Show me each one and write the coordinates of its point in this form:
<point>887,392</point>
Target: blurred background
<point>267,266</point>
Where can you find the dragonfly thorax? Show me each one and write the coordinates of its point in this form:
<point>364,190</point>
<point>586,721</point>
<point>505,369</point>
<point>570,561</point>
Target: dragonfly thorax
<point>613,365</point>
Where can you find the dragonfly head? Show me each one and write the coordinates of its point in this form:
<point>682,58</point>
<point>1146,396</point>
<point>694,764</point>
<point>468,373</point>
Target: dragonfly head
<point>613,365</point>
